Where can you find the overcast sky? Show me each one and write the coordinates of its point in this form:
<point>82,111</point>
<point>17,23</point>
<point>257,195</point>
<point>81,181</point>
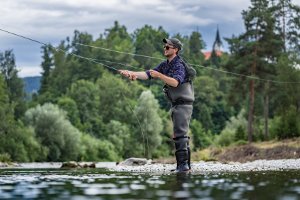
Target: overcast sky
<point>53,20</point>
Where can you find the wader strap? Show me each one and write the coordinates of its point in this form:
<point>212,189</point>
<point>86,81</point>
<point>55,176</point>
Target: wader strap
<point>181,102</point>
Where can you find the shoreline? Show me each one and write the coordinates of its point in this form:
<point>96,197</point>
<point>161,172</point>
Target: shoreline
<point>217,167</point>
<point>197,167</point>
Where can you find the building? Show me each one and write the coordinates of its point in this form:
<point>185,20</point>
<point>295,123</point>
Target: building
<point>216,48</point>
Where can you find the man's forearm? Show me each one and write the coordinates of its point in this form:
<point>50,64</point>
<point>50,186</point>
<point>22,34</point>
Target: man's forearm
<point>141,75</point>
<point>169,81</point>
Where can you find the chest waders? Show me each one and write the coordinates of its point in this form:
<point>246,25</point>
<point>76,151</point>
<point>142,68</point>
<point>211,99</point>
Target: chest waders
<point>181,98</point>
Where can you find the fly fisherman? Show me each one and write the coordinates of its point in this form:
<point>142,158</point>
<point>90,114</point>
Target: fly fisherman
<point>179,90</point>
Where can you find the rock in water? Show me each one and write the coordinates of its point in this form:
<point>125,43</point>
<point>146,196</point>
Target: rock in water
<point>73,164</point>
<point>70,164</point>
<point>135,162</point>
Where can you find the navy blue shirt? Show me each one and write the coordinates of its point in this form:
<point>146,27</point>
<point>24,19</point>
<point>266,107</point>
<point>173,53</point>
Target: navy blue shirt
<point>174,69</point>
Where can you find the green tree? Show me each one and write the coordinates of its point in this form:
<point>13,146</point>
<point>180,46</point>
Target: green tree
<point>287,17</point>
<point>54,132</point>
<point>196,44</point>
<point>206,93</point>
<point>13,82</point>
<point>46,65</point>
<point>148,41</point>
<point>148,124</point>
<point>254,52</point>
<point>119,135</point>
<point>116,39</point>
<point>201,139</point>
<point>16,140</point>
<point>85,95</point>
<point>93,149</point>
<point>116,98</point>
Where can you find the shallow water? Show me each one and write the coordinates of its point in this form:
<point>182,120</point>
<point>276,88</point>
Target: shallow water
<point>92,184</point>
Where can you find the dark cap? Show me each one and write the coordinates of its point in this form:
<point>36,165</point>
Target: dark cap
<point>174,42</point>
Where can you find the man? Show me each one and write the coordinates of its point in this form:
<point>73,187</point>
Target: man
<point>179,91</point>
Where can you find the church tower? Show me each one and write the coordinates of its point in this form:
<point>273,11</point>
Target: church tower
<point>217,43</point>
<point>216,50</point>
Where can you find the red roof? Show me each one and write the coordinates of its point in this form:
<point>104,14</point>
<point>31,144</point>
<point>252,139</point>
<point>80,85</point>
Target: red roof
<point>207,54</point>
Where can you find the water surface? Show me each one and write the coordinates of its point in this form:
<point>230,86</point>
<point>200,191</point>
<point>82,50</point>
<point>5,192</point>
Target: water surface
<point>80,184</point>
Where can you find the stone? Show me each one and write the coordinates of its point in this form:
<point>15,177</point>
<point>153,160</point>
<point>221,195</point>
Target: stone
<point>70,164</point>
<point>135,162</point>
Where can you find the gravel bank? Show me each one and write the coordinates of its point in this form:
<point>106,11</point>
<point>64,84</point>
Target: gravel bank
<point>215,167</point>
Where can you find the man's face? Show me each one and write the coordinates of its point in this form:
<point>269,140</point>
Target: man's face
<point>169,50</point>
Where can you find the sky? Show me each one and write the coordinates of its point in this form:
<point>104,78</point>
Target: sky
<point>53,20</point>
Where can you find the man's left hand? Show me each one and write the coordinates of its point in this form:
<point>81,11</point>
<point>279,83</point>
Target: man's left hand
<point>155,74</point>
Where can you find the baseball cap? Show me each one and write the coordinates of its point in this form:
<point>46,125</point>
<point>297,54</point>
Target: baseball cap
<point>174,42</point>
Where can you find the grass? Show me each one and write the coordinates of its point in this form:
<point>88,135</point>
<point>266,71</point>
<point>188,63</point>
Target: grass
<point>274,149</point>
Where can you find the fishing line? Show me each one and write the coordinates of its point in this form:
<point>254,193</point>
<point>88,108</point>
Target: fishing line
<point>196,65</point>
<point>58,49</point>
<point>106,49</point>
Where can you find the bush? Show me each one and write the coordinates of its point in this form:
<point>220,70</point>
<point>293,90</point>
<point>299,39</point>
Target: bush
<point>5,157</point>
<point>226,138</point>
<point>234,130</point>
<point>20,144</point>
<point>201,139</point>
<point>287,125</point>
<point>54,132</point>
<point>93,149</point>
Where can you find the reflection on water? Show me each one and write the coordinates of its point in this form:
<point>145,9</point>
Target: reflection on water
<point>101,184</point>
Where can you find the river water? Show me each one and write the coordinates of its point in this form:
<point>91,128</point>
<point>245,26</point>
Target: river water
<point>90,184</point>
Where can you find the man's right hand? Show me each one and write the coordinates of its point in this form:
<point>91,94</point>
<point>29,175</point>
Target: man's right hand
<point>128,74</point>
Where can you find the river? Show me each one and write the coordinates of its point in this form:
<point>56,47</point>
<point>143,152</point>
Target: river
<point>99,183</point>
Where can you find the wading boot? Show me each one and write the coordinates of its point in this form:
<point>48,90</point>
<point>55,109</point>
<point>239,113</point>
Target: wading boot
<point>182,155</point>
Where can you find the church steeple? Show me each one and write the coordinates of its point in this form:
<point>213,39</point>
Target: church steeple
<point>216,51</point>
<point>217,43</point>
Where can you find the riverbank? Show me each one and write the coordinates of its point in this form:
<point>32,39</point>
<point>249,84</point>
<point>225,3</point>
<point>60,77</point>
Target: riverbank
<point>217,167</point>
<point>197,167</point>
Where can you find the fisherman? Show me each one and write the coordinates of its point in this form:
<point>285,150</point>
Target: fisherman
<point>176,75</point>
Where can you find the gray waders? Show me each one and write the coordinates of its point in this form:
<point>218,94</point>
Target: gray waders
<point>182,98</point>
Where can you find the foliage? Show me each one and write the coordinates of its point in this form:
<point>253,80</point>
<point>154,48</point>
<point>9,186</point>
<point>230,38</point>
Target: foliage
<point>5,157</point>
<point>287,125</point>
<point>14,84</point>
<point>93,149</point>
<point>201,139</point>
<point>54,132</point>
<point>234,130</point>
<point>91,113</point>
<point>148,122</point>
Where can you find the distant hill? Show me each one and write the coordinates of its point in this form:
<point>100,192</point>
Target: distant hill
<point>32,84</point>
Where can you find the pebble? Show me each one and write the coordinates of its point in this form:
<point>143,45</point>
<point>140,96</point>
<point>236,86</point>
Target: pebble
<point>203,167</point>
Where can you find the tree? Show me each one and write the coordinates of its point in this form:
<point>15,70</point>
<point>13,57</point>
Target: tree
<point>255,51</point>
<point>148,41</point>
<point>54,132</point>
<point>196,44</point>
<point>13,82</point>
<point>46,65</point>
<point>116,39</point>
<point>287,17</point>
<point>148,124</point>
<point>117,98</point>
<point>85,95</point>
<point>16,140</point>
<point>201,139</point>
<point>206,93</point>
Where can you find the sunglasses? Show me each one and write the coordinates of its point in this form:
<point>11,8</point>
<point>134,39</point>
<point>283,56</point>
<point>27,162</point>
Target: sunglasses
<point>168,47</point>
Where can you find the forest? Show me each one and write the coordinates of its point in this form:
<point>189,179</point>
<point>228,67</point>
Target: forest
<point>86,111</point>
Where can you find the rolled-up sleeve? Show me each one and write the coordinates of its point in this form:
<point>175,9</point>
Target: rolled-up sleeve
<point>157,68</point>
<point>179,72</point>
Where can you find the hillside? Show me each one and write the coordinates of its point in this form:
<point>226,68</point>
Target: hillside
<point>32,84</point>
